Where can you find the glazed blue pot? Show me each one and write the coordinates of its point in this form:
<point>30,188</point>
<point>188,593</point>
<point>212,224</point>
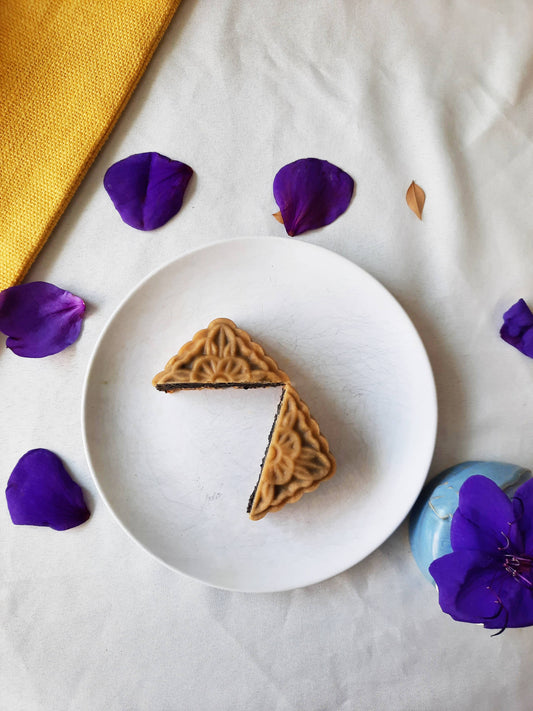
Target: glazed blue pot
<point>431,517</point>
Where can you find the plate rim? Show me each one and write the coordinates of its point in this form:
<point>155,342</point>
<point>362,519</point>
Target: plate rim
<point>432,401</point>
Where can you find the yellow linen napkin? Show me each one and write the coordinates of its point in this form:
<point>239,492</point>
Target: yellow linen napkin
<point>67,69</point>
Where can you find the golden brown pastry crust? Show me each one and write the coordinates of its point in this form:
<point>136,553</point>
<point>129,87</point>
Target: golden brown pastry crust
<point>220,353</point>
<point>297,459</point>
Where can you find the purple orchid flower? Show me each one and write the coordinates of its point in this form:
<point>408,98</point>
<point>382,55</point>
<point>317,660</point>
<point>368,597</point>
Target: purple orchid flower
<point>40,492</point>
<point>147,189</point>
<point>311,193</point>
<point>488,578</point>
<point>40,319</point>
<point>517,327</point>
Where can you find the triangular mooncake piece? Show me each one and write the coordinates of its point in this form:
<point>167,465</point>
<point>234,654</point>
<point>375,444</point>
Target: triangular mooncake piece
<point>220,355</point>
<point>296,461</point>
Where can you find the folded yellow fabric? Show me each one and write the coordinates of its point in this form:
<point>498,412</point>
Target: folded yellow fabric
<point>67,69</point>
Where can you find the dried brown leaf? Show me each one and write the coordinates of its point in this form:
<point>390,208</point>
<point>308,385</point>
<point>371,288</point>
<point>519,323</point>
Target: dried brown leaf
<point>416,198</point>
<point>278,216</point>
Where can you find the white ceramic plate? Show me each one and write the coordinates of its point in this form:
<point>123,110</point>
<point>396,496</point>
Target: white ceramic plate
<point>177,469</point>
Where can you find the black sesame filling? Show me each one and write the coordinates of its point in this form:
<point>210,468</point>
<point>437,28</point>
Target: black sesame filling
<point>170,387</point>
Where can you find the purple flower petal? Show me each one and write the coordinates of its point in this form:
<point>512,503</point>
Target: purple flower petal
<point>311,193</point>
<point>147,189</point>
<point>40,492</point>
<point>466,582</point>
<point>523,511</point>
<point>483,518</point>
<point>517,327</point>
<point>39,318</point>
<point>475,587</point>
<point>517,603</point>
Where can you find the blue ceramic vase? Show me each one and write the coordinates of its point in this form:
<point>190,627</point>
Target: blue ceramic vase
<point>431,517</point>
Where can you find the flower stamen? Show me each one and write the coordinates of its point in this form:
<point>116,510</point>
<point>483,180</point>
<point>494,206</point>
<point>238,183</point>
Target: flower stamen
<point>500,609</point>
<point>504,624</point>
<point>519,567</point>
<point>507,542</point>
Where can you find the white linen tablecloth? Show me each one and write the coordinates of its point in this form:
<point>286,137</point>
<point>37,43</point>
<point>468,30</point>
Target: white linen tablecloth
<point>438,91</point>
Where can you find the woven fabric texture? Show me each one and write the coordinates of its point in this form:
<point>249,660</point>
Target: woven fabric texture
<point>67,69</point>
